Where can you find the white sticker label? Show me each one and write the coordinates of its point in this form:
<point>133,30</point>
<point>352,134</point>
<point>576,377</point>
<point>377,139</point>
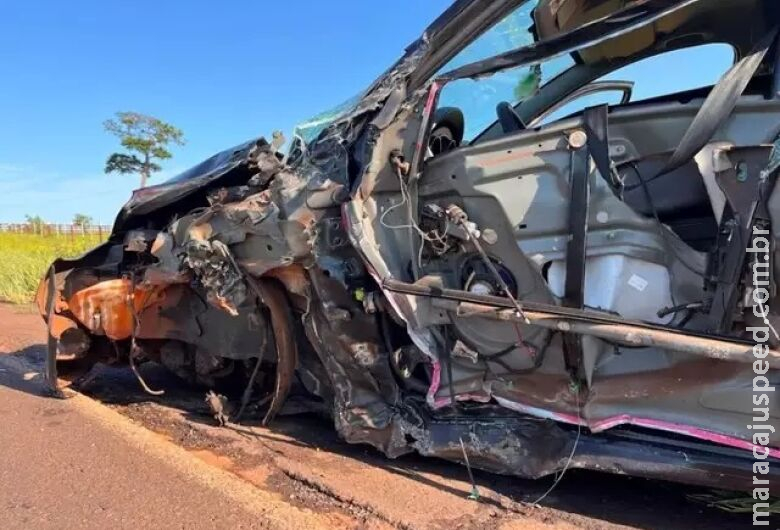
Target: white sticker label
<point>637,282</point>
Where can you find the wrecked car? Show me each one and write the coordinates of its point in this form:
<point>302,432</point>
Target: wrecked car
<point>508,248</point>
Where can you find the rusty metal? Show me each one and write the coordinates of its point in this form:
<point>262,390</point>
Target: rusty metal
<point>629,333</point>
<point>108,308</point>
<point>293,277</point>
<point>57,324</point>
<point>274,298</point>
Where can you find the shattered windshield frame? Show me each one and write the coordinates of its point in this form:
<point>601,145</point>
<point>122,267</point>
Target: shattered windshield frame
<point>478,97</point>
<point>308,130</point>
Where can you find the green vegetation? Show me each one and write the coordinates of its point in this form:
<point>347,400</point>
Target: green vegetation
<point>24,259</point>
<point>82,221</point>
<point>146,139</point>
<point>35,223</point>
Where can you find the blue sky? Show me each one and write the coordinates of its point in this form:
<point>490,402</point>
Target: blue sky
<point>223,72</point>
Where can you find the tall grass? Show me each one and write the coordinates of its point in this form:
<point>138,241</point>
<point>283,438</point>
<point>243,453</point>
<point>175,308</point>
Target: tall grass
<point>24,258</point>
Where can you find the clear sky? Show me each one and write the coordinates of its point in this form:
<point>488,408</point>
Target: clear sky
<point>224,72</point>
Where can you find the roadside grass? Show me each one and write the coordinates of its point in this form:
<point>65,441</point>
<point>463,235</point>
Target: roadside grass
<point>24,259</point>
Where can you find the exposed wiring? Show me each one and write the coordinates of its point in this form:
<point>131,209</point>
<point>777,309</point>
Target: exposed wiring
<point>661,228</point>
<point>138,375</point>
<point>520,341</point>
<point>571,455</point>
<point>437,241</point>
<point>682,307</point>
<point>133,346</point>
<point>643,183</point>
<point>459,216</point>
<point>248,390</point>
<point>474,495</point>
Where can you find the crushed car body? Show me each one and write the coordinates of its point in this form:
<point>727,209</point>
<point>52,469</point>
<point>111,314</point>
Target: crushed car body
<point>444,273</point>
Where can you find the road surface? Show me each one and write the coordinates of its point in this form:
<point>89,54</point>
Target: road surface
<point>73,464</point>
<point>116,457</point>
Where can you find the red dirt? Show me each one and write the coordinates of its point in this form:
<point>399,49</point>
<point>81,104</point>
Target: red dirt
<point>301,459</point>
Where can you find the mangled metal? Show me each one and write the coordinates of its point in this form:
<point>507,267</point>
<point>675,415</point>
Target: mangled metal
<point>421,296</point>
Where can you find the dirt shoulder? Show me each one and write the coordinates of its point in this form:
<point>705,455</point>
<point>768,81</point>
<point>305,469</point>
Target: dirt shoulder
<point>300,461</point>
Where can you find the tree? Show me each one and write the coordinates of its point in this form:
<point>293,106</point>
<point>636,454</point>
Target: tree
<point>36,223</point>
<point>82,221</point>
<point>146,138</point>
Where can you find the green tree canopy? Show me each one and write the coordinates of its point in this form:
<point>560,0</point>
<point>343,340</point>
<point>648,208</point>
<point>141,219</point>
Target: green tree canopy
<point>35,222</point>
<point>146,139</point>
<point>82,220</point>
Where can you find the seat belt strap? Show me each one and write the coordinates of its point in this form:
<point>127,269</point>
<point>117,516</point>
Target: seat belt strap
<point>596,146</point>
<point>720,103</point>
<point>594,123</point>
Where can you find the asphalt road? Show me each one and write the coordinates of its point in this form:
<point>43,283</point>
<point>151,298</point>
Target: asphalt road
<point>115,457</point>
<point>66,464</point>
<point>74,463</point>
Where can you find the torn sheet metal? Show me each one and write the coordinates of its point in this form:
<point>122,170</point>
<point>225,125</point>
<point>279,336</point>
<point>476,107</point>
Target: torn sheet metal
<point>275,272</point>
